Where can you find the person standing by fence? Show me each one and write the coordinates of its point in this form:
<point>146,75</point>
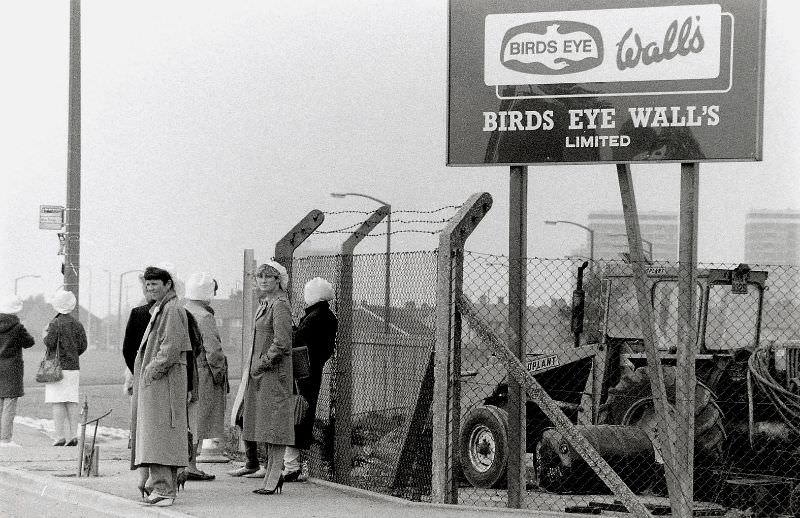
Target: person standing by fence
<point>159,392</point>
<point>268,403</point>
<point>65,339</point>
<point>13,339</point>
<point>317,331</point>
<point>207,414</point>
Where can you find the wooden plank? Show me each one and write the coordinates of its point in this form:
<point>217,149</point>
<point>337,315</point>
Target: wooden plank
<point>517,250</point>
<point>665,437</point>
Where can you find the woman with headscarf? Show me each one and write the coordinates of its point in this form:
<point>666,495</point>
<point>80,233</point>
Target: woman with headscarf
<point>66,339</point>
<point>317,331</point>
<point>13,339</point>
<point>268,409</point>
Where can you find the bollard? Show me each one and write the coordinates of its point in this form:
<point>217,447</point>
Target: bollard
<point>211,450</point>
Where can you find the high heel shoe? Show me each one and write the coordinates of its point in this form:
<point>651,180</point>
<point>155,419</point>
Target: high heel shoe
<point>182,477</point>
<point>278,488</point>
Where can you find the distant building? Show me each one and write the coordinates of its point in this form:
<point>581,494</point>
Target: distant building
<point>610,235</point>
<point>772,237</point>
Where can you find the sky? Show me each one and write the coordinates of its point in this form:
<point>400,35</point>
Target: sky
<point>211,127</point>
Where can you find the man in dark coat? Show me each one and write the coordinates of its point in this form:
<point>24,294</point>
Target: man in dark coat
<point>13,338</point>
<point>134,330</point>
<point>317,331</point>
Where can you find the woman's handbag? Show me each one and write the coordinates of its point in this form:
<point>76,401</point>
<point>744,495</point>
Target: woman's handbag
<point>300,408</point>
<point>301,364</point>
<point>50,369</point>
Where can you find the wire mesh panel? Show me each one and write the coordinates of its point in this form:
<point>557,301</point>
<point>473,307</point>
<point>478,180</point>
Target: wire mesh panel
<point>392,347</point>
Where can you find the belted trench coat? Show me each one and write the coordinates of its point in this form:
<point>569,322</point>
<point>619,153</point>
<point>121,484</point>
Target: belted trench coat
<point>268,414</point>
<point>158,409</point>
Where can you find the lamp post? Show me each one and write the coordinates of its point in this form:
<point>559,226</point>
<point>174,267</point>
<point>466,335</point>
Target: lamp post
<point>584,227</point>
<point>119,302</point>
<point>387,287</point>
<point>645,241</point>
<point>108,312</point>
<point>16,281</point>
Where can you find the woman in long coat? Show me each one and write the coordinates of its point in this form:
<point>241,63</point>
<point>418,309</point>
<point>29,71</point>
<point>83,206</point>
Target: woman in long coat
<point>158,416</point>
<point>13,338</point>
<point>268,403</point>
<point>317,331</point>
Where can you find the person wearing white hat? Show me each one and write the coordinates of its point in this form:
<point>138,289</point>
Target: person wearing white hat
<point>267,405</point>
<point>316,330</point>
<point>207,413</point>
<point>159,445</point>
<point>65,339</point>
<point>13,338</point>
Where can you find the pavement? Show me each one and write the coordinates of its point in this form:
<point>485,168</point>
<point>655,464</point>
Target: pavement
<point>36,468</point>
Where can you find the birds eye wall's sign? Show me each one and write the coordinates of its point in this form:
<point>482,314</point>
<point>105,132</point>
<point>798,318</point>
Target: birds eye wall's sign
<point>636,81</point>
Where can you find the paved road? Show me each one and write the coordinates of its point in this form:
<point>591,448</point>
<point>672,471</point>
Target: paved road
<point>20,504</point>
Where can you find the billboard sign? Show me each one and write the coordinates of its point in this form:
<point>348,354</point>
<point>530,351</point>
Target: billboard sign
<point>51,217</point>
<point>557,82</point>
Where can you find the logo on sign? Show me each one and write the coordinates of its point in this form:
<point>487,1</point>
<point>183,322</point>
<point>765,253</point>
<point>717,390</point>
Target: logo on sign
<point>552,47</point>
<point>664,43</point>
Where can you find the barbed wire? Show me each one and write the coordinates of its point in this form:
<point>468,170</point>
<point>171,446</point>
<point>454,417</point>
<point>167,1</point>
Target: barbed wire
<point>393,232</point>
<point>399,211</point>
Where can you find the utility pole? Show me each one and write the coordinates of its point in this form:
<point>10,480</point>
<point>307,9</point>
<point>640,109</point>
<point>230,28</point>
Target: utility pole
<point>72,249</point>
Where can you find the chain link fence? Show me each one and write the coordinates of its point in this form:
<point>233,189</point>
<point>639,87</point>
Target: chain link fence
<point>747,407</point>
<point>593,368</point>
<point>391,351</point>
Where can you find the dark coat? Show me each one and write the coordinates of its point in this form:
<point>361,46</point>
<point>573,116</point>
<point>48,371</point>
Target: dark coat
<point>13,338</point>
<point>134,331</point>
<point>68,336</point>
<point>317,331</point>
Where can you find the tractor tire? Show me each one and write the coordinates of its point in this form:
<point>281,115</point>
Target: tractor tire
<point>483,446</point>
<point>630,403</point>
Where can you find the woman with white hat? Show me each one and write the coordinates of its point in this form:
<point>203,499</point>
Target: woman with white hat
<point>13,338</point>
<point>65,338</point>
<point>268,415</point>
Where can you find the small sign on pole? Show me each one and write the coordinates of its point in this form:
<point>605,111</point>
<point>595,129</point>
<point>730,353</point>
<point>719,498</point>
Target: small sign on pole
<point>51,217</point>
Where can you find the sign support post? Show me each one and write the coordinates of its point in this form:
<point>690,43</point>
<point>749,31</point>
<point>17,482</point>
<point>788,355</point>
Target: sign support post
<point>517,251</point>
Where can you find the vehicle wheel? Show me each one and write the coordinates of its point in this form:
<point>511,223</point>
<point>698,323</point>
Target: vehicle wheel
<point>483,446</point>
<point>630,402</point>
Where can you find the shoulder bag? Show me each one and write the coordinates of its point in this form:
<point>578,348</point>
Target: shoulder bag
<point>50,368</point>
<point>301,364</point>
<point>300,406</point>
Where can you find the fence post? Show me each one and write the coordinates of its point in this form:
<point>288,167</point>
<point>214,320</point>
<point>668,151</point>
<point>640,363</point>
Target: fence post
<point>285,247</point>
<point>447,348</point>
<point>342,380</point>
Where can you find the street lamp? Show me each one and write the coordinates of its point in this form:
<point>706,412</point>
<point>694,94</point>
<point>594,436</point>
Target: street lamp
<point>584,227</point>
<point>119,303</point>
<point>108,312</point>
<point>16,281</point>
<point>388,248</point>
<point>645,241</point>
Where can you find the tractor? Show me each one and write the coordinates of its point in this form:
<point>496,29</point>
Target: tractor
<point>747,405</point>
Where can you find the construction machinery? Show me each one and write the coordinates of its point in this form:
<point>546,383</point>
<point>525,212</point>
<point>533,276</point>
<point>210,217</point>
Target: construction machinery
<point>747,397</point>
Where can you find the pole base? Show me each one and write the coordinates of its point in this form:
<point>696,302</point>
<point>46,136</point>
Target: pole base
<point>211,451</point>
